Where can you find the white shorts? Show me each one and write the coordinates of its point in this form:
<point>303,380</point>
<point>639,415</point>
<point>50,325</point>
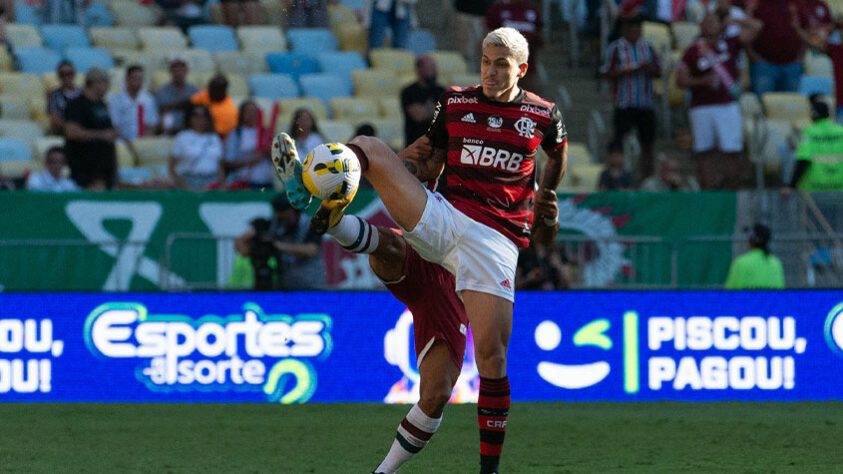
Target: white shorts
<point>480,258</point>
<point>717,126</point>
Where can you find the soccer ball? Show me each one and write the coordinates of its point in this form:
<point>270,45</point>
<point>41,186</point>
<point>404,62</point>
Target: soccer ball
<point>331,171</point>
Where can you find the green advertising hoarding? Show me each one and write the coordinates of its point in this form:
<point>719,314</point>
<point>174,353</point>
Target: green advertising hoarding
<point>147,241</point>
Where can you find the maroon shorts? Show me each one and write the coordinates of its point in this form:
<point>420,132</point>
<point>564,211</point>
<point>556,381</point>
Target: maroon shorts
<point>428,290</point>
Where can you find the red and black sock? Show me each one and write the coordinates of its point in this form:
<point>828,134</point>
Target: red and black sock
<point>361,156</point>
<point>492,410</point>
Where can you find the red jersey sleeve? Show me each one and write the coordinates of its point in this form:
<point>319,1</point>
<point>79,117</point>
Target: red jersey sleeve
<point>556,135</point>
<point>438,132</point>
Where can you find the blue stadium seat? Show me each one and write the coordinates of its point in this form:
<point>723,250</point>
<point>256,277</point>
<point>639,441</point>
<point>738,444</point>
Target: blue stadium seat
<point>311,40</point>
<point>213,38</point>
<point>12,149</point>
<point>84,58</point>
<point>273,86</point>
<point>97,14</point>
<point>37,61</point>
<point>421,41</point>
<point>26,14</point>
<point>135,175</point>
<point>353,4</point>
<point>294,64</point>
<point>341,62</point>
<point>809,85</point>
<point>324,86</point>
<point>61,37</point>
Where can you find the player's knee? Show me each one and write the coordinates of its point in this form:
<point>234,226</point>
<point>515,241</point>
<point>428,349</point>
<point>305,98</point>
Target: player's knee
<point>490,363</point>
<point>435,400</point>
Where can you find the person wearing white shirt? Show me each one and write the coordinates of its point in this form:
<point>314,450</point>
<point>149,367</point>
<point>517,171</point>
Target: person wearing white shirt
<point>197,152</point>
<point>51,180</point>
<point>246,156</point>
<point>133,112</point>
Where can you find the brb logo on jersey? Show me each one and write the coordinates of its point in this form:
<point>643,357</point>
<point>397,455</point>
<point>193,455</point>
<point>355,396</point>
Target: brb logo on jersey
<point>252,351</point>
<point>489,157</point>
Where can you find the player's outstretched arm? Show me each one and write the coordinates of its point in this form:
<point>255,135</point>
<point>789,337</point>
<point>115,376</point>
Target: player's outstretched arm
<point>422,160</point>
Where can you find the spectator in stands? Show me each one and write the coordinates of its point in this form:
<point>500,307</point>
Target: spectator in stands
<point>134,112</point>
<point>231,10</point>
<point>305,131</point>
<point>630,64</point>
<point>174,98</point>
<point>814,15</point>
<point>819,155</point>
<point>524,16</point>
<point>669,178</point>
<point>90,135</point>
<point>469,22</point>
<point>615,177</point>
<point>365,130</point>
<point>392,14</point>
<point>817,40</point>
<point>222,108</point>
<point>57,99</point>
<point>728,13</point>
<point>542,267</point>
<point>307,13</point>
<point>246,159</point>
<point>295,250</point>
<point>197,152</point>
<point>52,180</point>
<point>756,269</point>
<point>709,68</point>
<point>64,11</point>
<point>419,99</point>
<point>776,51</point>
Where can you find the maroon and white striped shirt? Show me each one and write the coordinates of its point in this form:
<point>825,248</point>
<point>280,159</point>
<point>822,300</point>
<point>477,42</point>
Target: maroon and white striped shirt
<point>636,90</point>
<point>491,147</point>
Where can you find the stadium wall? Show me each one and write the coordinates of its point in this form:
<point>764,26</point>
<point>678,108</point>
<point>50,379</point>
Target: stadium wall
<point>357,347</point>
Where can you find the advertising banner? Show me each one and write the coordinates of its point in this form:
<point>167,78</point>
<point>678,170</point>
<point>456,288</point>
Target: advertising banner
<point>357,347</point>
<point>118,241</point>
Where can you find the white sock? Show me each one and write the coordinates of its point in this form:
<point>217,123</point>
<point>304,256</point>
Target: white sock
<point>355,234</point>
<point>413,434</point>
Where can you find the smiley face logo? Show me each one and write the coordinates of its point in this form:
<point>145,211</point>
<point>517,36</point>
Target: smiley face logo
<point>548,337</point>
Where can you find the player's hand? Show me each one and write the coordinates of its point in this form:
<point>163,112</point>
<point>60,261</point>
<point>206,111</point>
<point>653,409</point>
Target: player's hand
<point>545,208</point>
<point>419,150</point>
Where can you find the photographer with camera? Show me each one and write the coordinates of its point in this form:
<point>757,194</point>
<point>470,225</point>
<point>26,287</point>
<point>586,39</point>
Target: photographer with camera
<point>284,254</point>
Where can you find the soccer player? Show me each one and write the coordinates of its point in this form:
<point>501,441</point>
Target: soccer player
<point>485,139</point>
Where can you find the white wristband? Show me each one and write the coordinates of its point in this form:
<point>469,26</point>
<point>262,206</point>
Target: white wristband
<point>551,222</point>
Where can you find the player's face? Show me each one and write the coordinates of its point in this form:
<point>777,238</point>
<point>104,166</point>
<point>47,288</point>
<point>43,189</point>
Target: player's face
<point>500,72</point>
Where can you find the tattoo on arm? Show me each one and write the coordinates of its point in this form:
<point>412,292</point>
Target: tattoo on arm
<point>411,167</point>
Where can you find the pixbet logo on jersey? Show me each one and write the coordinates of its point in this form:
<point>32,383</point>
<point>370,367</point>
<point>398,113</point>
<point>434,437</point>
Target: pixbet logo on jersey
<point>490,157</point>
<point>213,352</point>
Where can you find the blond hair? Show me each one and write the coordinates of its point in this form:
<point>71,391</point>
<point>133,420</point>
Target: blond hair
<point>511,39</point>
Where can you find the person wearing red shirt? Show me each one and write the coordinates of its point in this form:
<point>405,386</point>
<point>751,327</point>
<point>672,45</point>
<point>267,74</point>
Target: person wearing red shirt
<point>777,50</point>
<point>816,40</point>
<point>709,68</point>
<point>525,17</point>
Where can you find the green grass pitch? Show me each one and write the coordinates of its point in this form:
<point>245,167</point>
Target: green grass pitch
<point>346,438</point>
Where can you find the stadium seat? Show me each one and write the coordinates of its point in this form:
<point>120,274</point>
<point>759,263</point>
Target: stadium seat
<point>6,60</point>
<point>43,144</point>
<point>26,14</point>
<point>13,149</point>
<point>26,131</point>
<point>353,4</point>
<point>336,130</point>
<point>161,77</point>
<point>273,13</point>
<point>60,37</point>
<point>273,86</point>
<point>153,151</point>
<point>85,58</point>
<point>581,179</point>
<point>324,86</point>
<point>818,65</point>
<point>134,175</point>
<point>339,15</point>
<point>341,63</point>
<point>464,80</point>
<point>37,60</point>
<point>401,61</point>
<point>238,85</point>
<point>390,107</point>
<point>235,62</point>
<point>789,106</point>
<point>685,33</point>
<point>294,64</point>
<point>388,130</point>
<point>658,34</point>
<point>127,13</point>
<point>23,85</point>
<point>213,38</point>
<point>353,37</point>
<point>376,83</point>
<point>167,37</point>
<point>264,38</point>
<point>97,15</point>
<point>311,40</point>
<point>836,7</point>
<point>810,85</point>
<point>14,108</point>
<point>450,63</point>
<point>421,41</point>
<point>578,154</point>
<point>198,60</point>
<point>772,139</point>
<point>286,108</point>
<point>125,158</point>
<point>113,37</point>
<point>23,36</point>
<point>352,108</point>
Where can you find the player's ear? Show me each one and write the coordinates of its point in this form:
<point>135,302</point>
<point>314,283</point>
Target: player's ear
<point>522,70</point>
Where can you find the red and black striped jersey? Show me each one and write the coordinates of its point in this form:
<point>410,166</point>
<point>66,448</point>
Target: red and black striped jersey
<point>491,148</point>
